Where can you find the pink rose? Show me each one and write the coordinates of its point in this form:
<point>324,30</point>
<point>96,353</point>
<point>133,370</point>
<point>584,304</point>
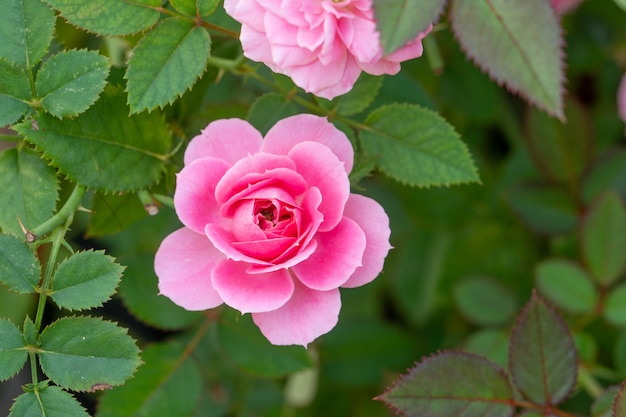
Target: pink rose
<point>271,227</point>
<point>564,6</point>
<point>621,98</point>
<point>323,45</point>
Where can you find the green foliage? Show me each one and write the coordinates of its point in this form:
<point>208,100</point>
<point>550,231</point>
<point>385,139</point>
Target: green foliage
<point>71,81</point>
<point>87,354</point>
<point>193,7</point>
<point>12,352</point>
<point>167,61</point>
<point>14,92</point>
<point>484,301</point>
<point>48,402</point>
<point>615,306</point>
<point>113,213</point>
<point>502,39</point>
<point>417,147</point>
<point>85,280</point>
<point>104,148</point>
<point>619,405</point>
<point>360,97</point>
<point>566,285</point>
<point>19,268</point>
<point>269,109</point>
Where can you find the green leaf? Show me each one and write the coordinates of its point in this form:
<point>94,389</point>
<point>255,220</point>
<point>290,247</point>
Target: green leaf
<point>607,172</point>
<point>491,344</point>
<point>193,7</point>
<point>269,109</point>
<point>103,147</point>
<point>85,280</point>
<point>417,147</point>
<point>14,92</point>
<point>542,355</point>
<point>615,306</point>
<point>47,402</point>
<point>166,63</point>
<point>501,37</point>
<point>30,332</point>
<point>12,353</point>
<point>360,96</point>
<point>168,384</point>
<point>451,384</point>
<point>86,353</point>
<point>566,285</point>
<point>71,81</point>
<point>249,349</point>
<point>619,404</point>
<point>19,268</point>
<point>604,239</point>
<point>109,17</point>
<point>602,406</point>
<point>484,301</point>
<point>400,21</point>
<point>621,3</point>
<point>113,213</point>
<point>26,31</point>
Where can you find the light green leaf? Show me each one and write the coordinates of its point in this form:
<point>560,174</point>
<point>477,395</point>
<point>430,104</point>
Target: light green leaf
<point>451,384</point>
<point>193,7</point>
<point>48,402</point>
<point>103,147</point>
<point>71,81</point>
<point>109,17</point>
<point>269,109</point>
<point>19,268</point>
<point>168,384</point>
<point>12,353</point>
<point>566,285</point>
<point>166,63</point>
<point>484,301</point>
<point>501,37</point>
<point>361,96</point>
<point>14,92</point>
<point>87,353</point>
<point>417,147</point>
<point>615,306</point>
<point>85,280</point>
<point>400,21</point>
<point>26,31</point>
<point>621,3</point>
<point>604,239</point>
<point>29,190</point>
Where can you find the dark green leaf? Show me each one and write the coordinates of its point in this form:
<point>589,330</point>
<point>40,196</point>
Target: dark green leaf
<point>85,280</point>
<point>619,405</point>
<point>360,96</point>
<point>168,384</point>
<point>269,109</point>
<point>193,7</point>
<point>12,353</point>
<point>491,344</point>
<point>606,173</point>
<point>103,147</point>
<point>71,81</point>
<point>166,63</point>
<point>14,92</point>
<point>451,384</point>
<point>602,406</point>
<point>542,355</point>
<point>604,239</point>
<point>109,17</point>
<point>501,37</point>
<point>112,213</point>
<point>484,301</point>
<point>417,147</point>
<point>26,31</point>
<point>30,332</point>
<point>615,306</point>
<point>48,402</point>
<point>567,285</point>
<point>400,21</point>
<point>245,344</point>
<point>19,268</point>
<point>29,190</point>
<point>86,353</point>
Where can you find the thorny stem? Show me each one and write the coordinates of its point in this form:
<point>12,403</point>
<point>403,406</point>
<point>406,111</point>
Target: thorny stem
<point>61,217</point>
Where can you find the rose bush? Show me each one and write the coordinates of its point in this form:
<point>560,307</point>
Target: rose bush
<point>322,45</point>
<point>270,227</point>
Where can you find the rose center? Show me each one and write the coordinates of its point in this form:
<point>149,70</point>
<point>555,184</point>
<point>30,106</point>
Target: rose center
<point>272,216</point>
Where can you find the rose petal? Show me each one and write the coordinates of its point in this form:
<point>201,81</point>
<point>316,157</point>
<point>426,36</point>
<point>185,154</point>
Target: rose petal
<point>223,239</point>
<point>183,264</point>
<point>306,316</point>
<point>621,99</point>
<point>251,293</point>
<point>290,131</point>
<point>372,219</point>
<point>226,139</point>
<point>194,198</point>
<point>339,253</point>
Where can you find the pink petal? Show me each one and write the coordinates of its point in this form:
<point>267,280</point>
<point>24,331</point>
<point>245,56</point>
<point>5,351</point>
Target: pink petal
<point>338,255</point>
<point>288,132</point>
<point>621,99</point>
<point>183,264</point>
<point>246,12</point>
<point>223,240</point>
<point>256,46</point>
<point>320,168</point>
<point>372,219</point>
<point>306,316</point>
<point>251,293</point>
<point>226,139</point>
<point>351,73</point>
<point>194,198</point>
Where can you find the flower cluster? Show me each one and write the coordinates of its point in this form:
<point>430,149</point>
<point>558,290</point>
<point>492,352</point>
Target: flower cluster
<point>322,45</point>
<point>270,227</point>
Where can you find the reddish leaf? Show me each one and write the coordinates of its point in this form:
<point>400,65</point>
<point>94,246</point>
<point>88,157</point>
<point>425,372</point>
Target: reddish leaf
<point>542,355</point>
<point>619,404</point>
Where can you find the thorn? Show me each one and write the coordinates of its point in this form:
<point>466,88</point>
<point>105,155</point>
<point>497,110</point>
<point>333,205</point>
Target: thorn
<point>84,209</point>
<point>30,237</point>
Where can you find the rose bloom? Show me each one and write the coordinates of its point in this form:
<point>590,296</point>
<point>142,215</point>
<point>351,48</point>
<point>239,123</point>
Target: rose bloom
<point>621,98</point>
<point>564,6</point>
<point>271,228</point>
<point>323,45</point>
